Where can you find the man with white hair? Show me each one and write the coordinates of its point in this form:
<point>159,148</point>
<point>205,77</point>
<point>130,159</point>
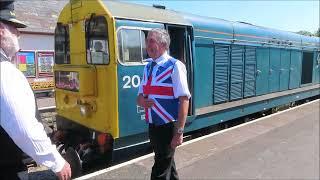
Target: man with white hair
<point>165,95</point>
<point>19,128</point>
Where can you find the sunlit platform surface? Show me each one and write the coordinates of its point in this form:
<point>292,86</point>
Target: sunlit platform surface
<point>284,145</point>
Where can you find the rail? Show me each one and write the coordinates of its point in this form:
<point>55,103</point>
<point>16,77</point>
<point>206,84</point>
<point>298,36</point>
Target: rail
<point>47,109</point>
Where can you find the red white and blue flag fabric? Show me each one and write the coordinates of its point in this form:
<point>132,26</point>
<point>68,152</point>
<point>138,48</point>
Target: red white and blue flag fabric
<point>159,87</point>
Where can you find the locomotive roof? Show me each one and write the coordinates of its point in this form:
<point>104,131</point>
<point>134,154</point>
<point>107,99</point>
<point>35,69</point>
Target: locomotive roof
<point>230,29</point>
<point>42,19</point>
<point>144,13</point>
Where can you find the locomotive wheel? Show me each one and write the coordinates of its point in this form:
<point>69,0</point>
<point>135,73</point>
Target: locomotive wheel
<point>73,159</point>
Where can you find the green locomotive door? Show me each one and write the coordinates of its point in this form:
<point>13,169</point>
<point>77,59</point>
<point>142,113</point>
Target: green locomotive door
<point>262,73</point>
<point>316,68</point>
<point>274,70</point>
<point>295,69</point>
<point>284,70</point>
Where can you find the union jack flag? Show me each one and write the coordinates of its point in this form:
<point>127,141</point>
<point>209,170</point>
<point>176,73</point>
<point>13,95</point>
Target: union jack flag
<point>159,87</point>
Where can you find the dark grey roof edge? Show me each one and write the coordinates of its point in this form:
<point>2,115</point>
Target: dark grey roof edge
<point>40,15</point>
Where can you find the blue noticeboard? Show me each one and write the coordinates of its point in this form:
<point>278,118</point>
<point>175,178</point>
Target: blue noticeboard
<point>26,63</point>
<point>30,58</point>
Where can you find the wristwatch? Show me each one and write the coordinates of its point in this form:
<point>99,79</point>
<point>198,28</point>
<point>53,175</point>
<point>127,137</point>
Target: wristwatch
<point>180,131</point>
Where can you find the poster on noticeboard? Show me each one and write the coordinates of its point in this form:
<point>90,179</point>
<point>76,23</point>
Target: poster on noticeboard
<point>26,63</point>
<point>45,62</point>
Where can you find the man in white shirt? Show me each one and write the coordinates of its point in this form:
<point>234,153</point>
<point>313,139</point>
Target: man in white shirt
<point>19,128</point>
<point>165,96</point>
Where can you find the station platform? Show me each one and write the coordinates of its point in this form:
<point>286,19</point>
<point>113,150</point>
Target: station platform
<point>284,145</point>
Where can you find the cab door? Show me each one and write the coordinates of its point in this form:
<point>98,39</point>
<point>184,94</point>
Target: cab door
<point>181,48</point>
<point>131,36</point>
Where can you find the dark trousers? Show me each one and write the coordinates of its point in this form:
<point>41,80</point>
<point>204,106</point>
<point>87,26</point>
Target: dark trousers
<point>160,138</point>
<point>10,157</point>
<point>8,173</point>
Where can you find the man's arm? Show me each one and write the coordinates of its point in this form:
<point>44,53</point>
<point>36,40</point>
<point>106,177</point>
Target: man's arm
<point>18,120</point>
<point>182,117</point>
<point>183,111</point>
<point>181,91</point>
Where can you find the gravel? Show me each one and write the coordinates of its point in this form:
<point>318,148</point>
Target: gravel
<point>48,119</point>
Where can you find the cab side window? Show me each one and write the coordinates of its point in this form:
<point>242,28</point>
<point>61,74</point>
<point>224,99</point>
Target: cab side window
<point>62,44</point>
<point>97,40</point>
<point>132,46</point>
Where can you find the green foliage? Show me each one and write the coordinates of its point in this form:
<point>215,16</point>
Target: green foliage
<point>317,33</point>
<point>305,33</point>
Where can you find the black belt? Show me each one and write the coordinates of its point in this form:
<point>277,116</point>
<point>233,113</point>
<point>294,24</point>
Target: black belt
<point>152,125</point>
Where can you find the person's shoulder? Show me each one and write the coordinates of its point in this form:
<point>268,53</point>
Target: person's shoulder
<point>172,60</point>
<point>5,63</point>
<point>180,63</point>
<point>148,60</point>
<point>177,63</point>
<point>6,66</point>
<point>13,82</point>
<point>9,73</point>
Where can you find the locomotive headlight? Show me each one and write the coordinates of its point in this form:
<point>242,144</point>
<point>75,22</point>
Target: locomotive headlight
<point>85,110</point>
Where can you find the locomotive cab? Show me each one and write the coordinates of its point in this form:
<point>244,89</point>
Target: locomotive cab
<point>98,67</point>
<point>85,85</point>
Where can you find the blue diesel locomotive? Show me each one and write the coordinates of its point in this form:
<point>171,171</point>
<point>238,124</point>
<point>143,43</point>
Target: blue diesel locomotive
<point>234,69</point>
